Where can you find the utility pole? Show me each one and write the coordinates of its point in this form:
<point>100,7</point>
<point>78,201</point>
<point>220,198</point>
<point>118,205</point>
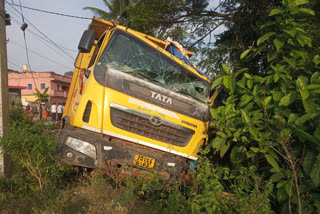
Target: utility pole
<point>5,168</point>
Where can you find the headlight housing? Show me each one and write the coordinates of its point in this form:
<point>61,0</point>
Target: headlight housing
<point>82,146</point>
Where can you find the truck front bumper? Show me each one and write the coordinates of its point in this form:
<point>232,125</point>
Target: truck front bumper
<point>119,152</point>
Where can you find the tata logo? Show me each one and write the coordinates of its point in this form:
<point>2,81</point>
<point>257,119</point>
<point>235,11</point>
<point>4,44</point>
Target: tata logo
<point>156,121</point>
<point>161,97</point>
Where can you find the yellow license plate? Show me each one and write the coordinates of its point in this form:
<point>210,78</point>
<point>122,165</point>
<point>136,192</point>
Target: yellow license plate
<point>143,161</point>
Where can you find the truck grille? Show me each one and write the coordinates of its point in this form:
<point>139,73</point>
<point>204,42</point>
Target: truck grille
<point>139,123</point>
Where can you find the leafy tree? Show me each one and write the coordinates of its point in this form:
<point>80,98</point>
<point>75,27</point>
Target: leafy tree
<point>116,10</point>
<point>68,73</point>
<point>271,120</point>
<point>42,97</point>
<point>185,20</point>
<point>240,32</point>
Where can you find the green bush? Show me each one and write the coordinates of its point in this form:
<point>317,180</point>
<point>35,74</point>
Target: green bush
<point>32,150</point>
<point>270,121</point>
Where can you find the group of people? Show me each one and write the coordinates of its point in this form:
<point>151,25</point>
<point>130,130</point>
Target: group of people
<point>56,111</point>
<point>44,111</point>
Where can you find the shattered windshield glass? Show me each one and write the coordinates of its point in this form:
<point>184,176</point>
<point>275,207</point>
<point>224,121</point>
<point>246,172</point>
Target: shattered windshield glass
<point>128,54</point>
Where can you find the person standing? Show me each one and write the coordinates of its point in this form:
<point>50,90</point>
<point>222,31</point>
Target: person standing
<point>59,111</point>
<point>29,112</point>
<point>53,110</point>
<point>44,112</point>
<point>40,111</point>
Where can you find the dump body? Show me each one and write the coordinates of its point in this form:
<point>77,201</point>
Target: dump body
<point>132,103</point>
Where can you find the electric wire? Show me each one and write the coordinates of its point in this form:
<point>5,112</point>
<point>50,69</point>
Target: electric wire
<point>39,36</point>
<point>18,66</point>
<point>35,53</point>
<point>42,40</point>
<point>57,46</point>
<point>26,47</point>
<point>54,13</point>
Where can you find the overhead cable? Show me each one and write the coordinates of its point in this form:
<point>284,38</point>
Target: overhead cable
<point>18,66</point>
<point>43,39</point>
<point>57,46</point>
<point>54,13</point>
<point>25,43</point>
<point>35,53</point>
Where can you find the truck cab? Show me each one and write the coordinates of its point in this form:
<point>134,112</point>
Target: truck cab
<point>133,105</point>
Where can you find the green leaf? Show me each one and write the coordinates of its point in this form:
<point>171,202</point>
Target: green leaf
<point>302,81</point>
<point>267,100</point>
<point>256,90</point>
<point>313,88</point>
<point>276,11</point>
<point>307,11</point>
<point>271,55</point>
<point>221,134</point>
<point>316,59</point>
<point>267,24</point>
<point>255,149</point>
<point>226,69</point>
<point>290,61</point>
<point>315,78</point>
<point>265,37</point>
<point>308,162</point>
<point>254,132</point>
<point>229,83</point>
<point>224,149</point>
<point>292,117</point>
<point>292,32</point>
<point>302,54</point>
<point>276,77</point>
<point>304,94</point>
<point>276,95</point>
<point>240,72</point>
<point>304,40</point>
<point>309,106</point>
<point>315,172</point>
<point>282,194</point>
<point>248,76</point>
<point>276,177</point>
<point>306,136</point>
<point>272,162</point>
<point>288,99</point>
<point>245,53</point>
<point>278,44</point>
<point>217,141</point>
<point>237,154</point>
<point>294,3</point>
<point>249,84</point>
<point>301,120</point>
<point>245,116</point>
<point>216,82</point>
<point>245,100</point>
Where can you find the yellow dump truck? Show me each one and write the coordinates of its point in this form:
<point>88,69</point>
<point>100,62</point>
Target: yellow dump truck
<point>132,104</point>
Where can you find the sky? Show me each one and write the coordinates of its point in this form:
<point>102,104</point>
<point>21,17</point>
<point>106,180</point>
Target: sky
<point>64,32</point>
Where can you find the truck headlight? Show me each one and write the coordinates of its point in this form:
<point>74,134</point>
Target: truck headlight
<point>82,146</point>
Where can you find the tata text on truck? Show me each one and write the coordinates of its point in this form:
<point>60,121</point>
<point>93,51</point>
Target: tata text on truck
<point>132,103</point>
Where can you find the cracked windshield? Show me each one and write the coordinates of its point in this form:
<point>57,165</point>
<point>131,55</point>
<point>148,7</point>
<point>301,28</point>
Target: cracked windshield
<point>130,55</point>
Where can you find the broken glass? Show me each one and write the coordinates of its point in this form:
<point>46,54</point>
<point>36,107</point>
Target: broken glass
<point>131,55</point>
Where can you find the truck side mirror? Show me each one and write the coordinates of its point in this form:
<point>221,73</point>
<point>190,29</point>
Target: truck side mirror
<point>87,41</point>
